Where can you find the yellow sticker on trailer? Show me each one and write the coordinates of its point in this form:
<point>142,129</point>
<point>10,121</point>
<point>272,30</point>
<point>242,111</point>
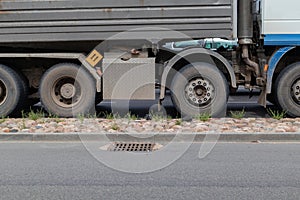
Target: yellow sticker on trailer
<point>94,58</point>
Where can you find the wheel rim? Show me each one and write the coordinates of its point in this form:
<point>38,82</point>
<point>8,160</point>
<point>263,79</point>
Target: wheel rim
<point>199,92</point>
<point>295,91</point>
<point>66,92</point>
<point>3,92</point>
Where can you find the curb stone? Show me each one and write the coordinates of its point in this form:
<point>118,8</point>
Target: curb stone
<point>150,137</point>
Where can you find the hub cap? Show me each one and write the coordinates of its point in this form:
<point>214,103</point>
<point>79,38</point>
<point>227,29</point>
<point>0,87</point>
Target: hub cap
<point>65,93</point>
<point>3,92</point>
<point>199,92</point>
<point>296,91</point>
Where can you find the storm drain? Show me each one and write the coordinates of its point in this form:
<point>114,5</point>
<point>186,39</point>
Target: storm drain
<point>132,146</point>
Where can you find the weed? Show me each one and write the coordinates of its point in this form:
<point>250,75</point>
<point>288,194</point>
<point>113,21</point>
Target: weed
<point>178,122</point>
<point>130,116</point>
<point>23,114</point>
<point>203,116</point>
<point>238,114</point>
<point>115,127</point>
<point>80,117</point>
<point>34,115</point>
<point>169,117</point>
<point>90,116</point>
<point>58,120</point>
<point>2,119</point>
<point>276,114</point>
<point>55,118</point>
<point>158,116</point>
<point>23,125</point>
<point>109,115</point>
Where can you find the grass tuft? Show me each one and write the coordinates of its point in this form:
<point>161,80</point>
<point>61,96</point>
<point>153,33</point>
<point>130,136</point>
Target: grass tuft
<point>276,114</point>
<point>109,115</point>
<point>33,115</point>
<point>178,122</point>
<point>3,119</point>
<point>130,116</point>
<point>115,127</point>
<point>203,117</point>
<point>238,114</point>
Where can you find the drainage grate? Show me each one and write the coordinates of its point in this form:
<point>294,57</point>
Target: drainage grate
<point>133,146</point>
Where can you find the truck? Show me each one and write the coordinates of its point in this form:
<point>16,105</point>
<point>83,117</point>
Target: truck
<point>71,54</point>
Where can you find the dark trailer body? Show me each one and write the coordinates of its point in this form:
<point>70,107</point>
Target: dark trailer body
<point>97,20</point>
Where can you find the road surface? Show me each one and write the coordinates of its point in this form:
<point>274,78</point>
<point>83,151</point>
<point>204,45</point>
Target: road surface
<point>230,171</point>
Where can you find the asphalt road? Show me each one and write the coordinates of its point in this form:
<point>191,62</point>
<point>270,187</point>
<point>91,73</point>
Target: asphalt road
<point>230,171</point>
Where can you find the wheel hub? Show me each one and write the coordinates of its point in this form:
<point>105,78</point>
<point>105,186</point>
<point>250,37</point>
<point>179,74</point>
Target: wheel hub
<point>3,93</point>
<point>296,90</point>
<point>65,93</point>
<point>199,91</point>
<point>68,91</point>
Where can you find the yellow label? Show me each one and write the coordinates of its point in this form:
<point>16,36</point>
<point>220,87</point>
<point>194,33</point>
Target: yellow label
<point>94,58</point>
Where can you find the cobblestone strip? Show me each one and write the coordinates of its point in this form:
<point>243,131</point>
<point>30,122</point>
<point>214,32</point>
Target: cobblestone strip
<point>92,125</point>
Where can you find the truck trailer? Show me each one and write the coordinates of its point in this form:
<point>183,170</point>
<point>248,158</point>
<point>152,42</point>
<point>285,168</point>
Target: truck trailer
<point>72,54</point>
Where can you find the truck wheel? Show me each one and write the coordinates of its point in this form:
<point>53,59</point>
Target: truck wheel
<point>67,90</point>
<point>200,88</point>
<point>11,91</point>
<point>287,92</point>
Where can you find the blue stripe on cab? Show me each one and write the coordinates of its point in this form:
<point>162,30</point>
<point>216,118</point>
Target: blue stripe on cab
<point>282,40</point>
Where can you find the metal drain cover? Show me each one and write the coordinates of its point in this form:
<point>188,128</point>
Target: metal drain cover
<point>132,146</point>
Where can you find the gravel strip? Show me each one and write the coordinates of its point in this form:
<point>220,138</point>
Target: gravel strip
<point>94,125</point>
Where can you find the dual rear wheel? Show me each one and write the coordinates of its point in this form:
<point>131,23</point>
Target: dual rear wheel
<point>13,91</point>
<point>68,90</point>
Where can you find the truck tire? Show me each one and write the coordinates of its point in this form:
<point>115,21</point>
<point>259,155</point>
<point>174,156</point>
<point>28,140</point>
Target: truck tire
<point>287,90</point>
<point>27,103</point>
<point>67,90</point>
<point>11,91</point>
<point>200,88</point>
